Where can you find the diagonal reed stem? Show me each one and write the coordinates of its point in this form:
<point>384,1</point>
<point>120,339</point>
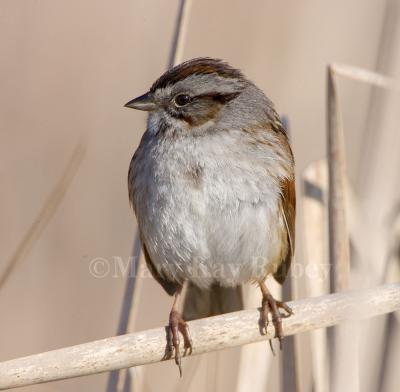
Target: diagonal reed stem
<point>47,212</point>
<point>209,334</point>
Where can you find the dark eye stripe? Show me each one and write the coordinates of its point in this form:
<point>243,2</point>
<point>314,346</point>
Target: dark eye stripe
<point>179,114</point>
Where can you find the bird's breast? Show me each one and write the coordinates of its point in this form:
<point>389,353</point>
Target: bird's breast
<point>201,209</point>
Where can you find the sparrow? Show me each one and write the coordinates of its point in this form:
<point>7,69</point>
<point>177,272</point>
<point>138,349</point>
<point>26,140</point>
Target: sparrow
<point>212,185</point>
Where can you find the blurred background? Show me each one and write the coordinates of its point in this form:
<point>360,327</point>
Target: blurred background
<point>66,70</point>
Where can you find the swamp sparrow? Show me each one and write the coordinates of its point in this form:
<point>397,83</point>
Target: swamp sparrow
<point>212,186</point>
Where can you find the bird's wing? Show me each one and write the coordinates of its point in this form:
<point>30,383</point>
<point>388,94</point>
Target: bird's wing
<point>169,286</point>
<point>288,211</point>
<point>287,203</point>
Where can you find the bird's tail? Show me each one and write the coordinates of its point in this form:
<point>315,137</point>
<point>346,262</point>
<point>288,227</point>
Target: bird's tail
<point>200,303</point>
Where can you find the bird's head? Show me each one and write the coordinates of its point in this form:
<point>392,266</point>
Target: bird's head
<point>195,94</point>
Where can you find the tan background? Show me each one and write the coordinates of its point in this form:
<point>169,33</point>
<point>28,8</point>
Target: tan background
<point>67,68</point>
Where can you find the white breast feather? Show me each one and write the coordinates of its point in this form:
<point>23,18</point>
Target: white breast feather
<point>223,225</point>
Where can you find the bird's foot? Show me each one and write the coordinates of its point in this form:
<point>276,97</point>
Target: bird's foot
<point>177,324</point>
<point>271,306</point>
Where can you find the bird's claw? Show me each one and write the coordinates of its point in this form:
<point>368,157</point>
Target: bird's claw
<point>271,306</point>
<point>177,324</point>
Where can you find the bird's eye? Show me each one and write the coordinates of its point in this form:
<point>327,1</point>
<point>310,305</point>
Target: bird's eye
<point>182,99</point>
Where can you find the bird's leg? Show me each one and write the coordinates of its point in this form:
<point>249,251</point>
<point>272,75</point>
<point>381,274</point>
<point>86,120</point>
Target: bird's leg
<point>177,324</point>
<point>270,305</point>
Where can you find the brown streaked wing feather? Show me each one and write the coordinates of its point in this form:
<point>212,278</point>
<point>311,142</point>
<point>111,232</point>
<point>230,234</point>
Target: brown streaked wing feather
<point>168,286</point>
<point>288,209</point>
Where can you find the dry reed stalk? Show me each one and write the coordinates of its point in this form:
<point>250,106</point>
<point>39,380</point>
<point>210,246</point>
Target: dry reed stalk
<point>315,183</point>
<point>366,76</point>
<point>343,367</point>
<point>343,345</point>
<point>339,257</point>
<point>47,212</point>
<point>209,334</point>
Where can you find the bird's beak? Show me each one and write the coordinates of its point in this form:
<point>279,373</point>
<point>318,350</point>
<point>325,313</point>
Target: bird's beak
<point>144,102</point>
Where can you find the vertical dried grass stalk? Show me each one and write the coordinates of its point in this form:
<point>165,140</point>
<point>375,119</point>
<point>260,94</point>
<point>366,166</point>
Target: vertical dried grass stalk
<point>338,233</point>
<point>339,257</point>
<point>178,43</point>
<point>315,183</point>
<point>344,339</point>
